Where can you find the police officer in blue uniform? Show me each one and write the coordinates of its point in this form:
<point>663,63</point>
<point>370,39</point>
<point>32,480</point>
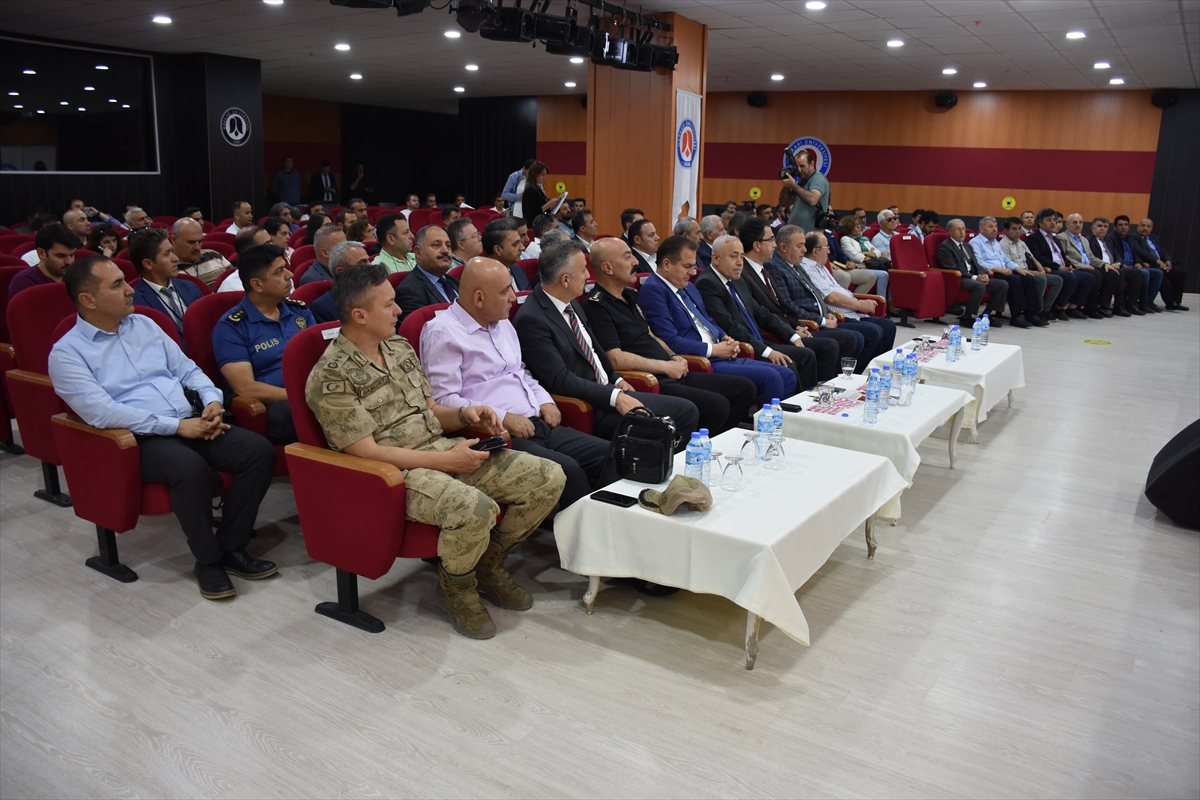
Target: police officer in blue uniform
<point>248,342</point>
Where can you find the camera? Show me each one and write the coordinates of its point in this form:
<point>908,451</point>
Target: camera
<point>792,169</point>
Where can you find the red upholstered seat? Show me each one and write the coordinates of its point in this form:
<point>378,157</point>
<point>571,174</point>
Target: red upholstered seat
<point>7,362</point>
<point>224,248</point>
<point>11,261</point>
<point>311,291</point>
<point>127,268</point>
<point>457,272</point>
<point>201,285</point>
<point>10,240</point>
<point>217,236</point>
<point>368,541</point>
<point>303,252</point>
<point>297,238</point>
<point>479,217</point>
<point>21,248</point>
<point>916,289</point>
<point>952,278</point>
<point>165,220</point>
<point>394,278</point>
<point>530,268</point>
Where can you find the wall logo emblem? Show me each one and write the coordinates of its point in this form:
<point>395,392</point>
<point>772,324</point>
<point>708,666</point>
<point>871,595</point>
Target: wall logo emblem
<point>235,127</point>
<point>686,143</point>
<point>816,148</point>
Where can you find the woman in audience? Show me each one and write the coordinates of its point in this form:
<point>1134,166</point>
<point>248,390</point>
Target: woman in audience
<point>533,199</point>
<point>860,255</point>
<point>280,232</point>
<point>104,240</point>
<point>361,231</point>
<point>315,221</point>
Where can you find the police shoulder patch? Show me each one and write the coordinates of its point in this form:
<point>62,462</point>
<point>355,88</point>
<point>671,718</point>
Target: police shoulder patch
<point>297,303</point>
<point>595,295</point>
<point>237,316</point>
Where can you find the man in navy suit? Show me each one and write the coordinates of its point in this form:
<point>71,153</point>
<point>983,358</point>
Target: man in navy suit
<point>559,349</point>
<point>675,311</point>
<point>1047,251</point>
<point>502,242</point>
<point>159,288</point>
<point>428,284</point>
<point>1155,254</point>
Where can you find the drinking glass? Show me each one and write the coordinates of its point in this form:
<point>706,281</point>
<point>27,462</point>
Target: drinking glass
<point>732,477</point>
<point>716,459</point>
<point>848,365</point>
<point>749,452</point>
<point>774,456</point>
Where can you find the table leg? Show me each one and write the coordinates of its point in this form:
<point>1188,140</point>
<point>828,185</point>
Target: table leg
<point>974,420</point>
<point>753,621</point>
<point>870,526</point>
<point>1010,391</point>
<point>955,428</point>
<point>589,597</point>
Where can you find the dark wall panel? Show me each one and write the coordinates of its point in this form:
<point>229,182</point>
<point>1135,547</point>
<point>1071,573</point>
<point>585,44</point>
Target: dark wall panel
<point>235,171</point>
<point>402,152</point>
<point>499,133</point>
<point>1175,193</point>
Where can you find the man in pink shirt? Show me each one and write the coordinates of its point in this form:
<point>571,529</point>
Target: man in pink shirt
<point>472,355</point>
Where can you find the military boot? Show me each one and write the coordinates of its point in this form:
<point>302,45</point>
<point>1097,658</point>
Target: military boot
<point>496,584</point>
<point>458,596</point>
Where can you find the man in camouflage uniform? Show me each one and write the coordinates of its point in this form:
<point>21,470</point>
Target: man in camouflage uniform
<point>372,399</point>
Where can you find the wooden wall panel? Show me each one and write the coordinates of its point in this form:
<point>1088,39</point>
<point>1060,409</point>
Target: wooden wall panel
<point>561,118</point>
<point>1104,120</point>
<point>307,130</point>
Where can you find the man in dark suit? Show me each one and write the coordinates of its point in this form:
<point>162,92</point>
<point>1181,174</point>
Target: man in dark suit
<point>956,255</point>
<point>710,228</point>
<point>1124,245</point>
<point>1155,254</point>
<point>151,250</point>
<point>644,241</point>
<point>502,242</point>
<point>322,187</point>
<point>730,305</point>
<point>558,347</point>
<point>830,346</point>
<point>1047,251</point>
<point>428,284</point>
<point>1128,287</point>
<point>628,217</point>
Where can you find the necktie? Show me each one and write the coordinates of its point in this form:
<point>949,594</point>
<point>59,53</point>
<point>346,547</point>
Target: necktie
<point>1150,242</point>
<point>1054,246</point>
<point>173,305</point>
<point>1082,249</point>
<point>582,342</point>
<point>447,289</point>
<point>687,301</point>
<point>1128,252</point>
<point>808,284</point>
<point>767,280</point>
<point>745,314</point>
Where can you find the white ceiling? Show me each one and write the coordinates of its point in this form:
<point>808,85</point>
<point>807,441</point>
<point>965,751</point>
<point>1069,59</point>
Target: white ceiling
<point>406,62</point>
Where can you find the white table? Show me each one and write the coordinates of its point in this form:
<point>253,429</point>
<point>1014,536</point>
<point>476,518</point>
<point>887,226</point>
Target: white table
<point>896,435</point>
<point>990,374</point>
<point>755,547</point>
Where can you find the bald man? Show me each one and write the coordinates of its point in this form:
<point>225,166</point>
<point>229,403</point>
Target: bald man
<point>472,356</point>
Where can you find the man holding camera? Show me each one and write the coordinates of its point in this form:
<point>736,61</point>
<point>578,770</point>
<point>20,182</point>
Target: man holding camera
<point>811,189</point>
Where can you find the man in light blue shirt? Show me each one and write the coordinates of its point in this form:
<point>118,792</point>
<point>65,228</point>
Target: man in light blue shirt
<point>887,226</point>
<point>117,369</point>
<point>1024,293</point>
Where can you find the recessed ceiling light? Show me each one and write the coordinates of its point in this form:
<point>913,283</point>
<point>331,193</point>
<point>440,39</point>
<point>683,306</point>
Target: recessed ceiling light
<point>162,19</point>
<point>776,77</point>
<point>40,111</point>
<point>89,88</point>
<point>17,105</point>
<point>979,85</point>
<point>29,72</point>
<point>124,105</point>
<point>273,2</point>
<point>1076,35</point>
<point>472,67</point>
<point>1101,65</point>
<point>112,99</point>
<point>63,103</point>
<point>1117,81</point>
<point>101,66</point>
<point>814,5</point>
<point>452,34</point>
<point>895,43</point>
<point>460,88</point>
<point>355,76</point>
<point>949,71</point>
<point>81,108</point>
<point>14,94</point>
<point>569,84</point>
<point>576,60</point>
<point>341,46</point>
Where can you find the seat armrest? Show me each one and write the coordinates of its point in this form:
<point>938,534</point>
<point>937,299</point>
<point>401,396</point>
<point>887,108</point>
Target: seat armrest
<point>641,381</point>
<point>746,350</point>
<point>390,474</point>
<point>116,501</point>
<point>576,413</point>
<point>880,303</point>
<point>812,325</point>
<point>698,364</point>
<point>946,271</point>
<point>250,413</point>
<point>122,438</point>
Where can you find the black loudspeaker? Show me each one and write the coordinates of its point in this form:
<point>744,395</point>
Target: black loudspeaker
<point>757,99</point>
<point>1164,99</point>
<point>1171,484</point>
<point>946,100</point>
<point>583,101</point>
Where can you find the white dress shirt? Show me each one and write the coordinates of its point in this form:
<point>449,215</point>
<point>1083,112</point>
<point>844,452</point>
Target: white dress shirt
<point>652,260</point>
<point>705,333</point>
<point>602,376</point>
<point>758,270</point>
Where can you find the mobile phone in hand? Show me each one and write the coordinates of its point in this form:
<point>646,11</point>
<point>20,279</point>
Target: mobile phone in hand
<point>492,443</point>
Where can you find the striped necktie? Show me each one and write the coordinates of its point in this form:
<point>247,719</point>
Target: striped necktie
<point>583,345</point>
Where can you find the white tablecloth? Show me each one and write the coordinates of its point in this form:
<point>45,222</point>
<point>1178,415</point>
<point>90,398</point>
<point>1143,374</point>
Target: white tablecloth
<point>896,435</point>
<point>755,547</point>
<point>989,373</point>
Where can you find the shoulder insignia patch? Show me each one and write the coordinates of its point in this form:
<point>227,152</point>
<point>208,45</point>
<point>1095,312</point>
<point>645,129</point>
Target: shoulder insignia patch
<point>335,362</point>
<point>357,376</point>
<point>297,303</point>
<point>409,364</point>
<point>237,316</point>
<point>301,322</point>
<point>359,358</point>
<point>333,387</point>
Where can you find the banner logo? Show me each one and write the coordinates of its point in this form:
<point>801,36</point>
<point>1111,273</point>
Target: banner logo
<point>685,143</point>
<point>235,127</point>
<point>816,148</point>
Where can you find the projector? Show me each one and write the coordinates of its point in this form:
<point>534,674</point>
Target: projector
<point>508,25</point>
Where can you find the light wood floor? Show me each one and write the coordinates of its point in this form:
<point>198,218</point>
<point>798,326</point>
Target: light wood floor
<point>1031,628</point>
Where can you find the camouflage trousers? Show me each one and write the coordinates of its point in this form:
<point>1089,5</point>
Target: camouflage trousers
<point>465,506</point>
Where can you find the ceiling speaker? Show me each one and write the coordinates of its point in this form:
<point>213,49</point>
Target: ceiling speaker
<point>757,99</point>
<point>1164,99</point>
<point>946,100</point>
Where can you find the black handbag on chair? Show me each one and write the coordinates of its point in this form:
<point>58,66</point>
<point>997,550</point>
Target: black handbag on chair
<point>644,446</point>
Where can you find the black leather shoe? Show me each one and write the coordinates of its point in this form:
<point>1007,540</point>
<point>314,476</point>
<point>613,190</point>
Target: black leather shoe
<point>244,565</point>
<point>1075,313</point>
<point>1038,321</point>
<point>1061,315</point>
<point>1095,315</point>
<point>1154,308</point>
<point>1017,322</point>
<point>956,310</point>
<point>651,589</point>
<point>995,323</point>
<point>214,582</point>
<point>1137,312</point>
<point>1120,312</point>
<point>1179,307</point>
<point>1104,312</point>
<point>966,322</point>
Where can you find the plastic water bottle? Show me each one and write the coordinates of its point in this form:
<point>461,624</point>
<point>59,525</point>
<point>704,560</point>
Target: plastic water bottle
<point>987,325</point>
<point>693,459</point>
<point>765,427</point>
<point>706,443</point>
<point>777,413</point>
<point>953,344</point>
<point>885,387</point>
<point>977,335</point>
<point>898,361</point>
<point>911,370</point>
<point>871,408</point>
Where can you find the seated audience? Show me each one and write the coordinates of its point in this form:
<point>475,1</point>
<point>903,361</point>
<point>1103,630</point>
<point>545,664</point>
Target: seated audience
<point>577,204</point>
<point>395,239</point>
<point>473,357</point>
<point>914,224</point>
<point>628,217</point>
<point>181,442</point>
<point>411,204</point>
<point>879,333</point>
<point>151,252</point>
<point>1128,288</point>
<point>431,200</point>
<point>104,240</point>
<point>861,254</point>
<point>136,219</point>
<point>541,224</point>
<point>358,207</point>
<point>248,237</point>
<point>563,218</point>
<point>460,200</point>
<point>881,241</point>
<point>499,205</point>
<point>243,217</point>
<point>689,229</point>
<point>711,227</point>
<point>584,226</point>
<point>675,313</point>
<point>77,223</point>
<point>465,242</point>
<point>1048,252</point>
<point>1028,223</point>
<point>55,248</point>
<point>1173,274</point>
<point>316,221</point>
<point>313,208</point>
<point>248,342</point>
<point>341,256</point>
<point>956,254</point>
<point>95,216</point>
<point>559,348</point>
<point>323,242</point>
<point>39,222</point>
<point>1024,299</point>
<point>501,242</point>
<point>1048,284</point>
<point>449,485</point>
<point>927,225</point>
<point>449,214</point>
<point>1075,249</point>
<point>1123,244</point>
<point>280,232</point>
<point>187,236</point>
<point>346,218</point>
<point>284,212</point>
<point>644,241</point>
<point>428,284</point>
<point>361,231</point>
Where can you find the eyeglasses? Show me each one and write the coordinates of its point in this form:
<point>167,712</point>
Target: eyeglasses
<point>768,240</point>
<point>821,247</point>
